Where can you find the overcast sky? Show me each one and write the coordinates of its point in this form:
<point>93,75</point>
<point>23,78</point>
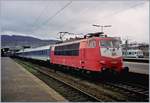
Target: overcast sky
<point>44,19</point>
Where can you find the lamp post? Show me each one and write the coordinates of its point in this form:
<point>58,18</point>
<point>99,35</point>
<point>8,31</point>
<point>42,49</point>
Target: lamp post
<point>101,26</point>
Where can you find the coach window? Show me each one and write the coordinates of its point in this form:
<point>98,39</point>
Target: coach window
<point>92,43</point>
<point>43,52</point>
<point>46,52</point>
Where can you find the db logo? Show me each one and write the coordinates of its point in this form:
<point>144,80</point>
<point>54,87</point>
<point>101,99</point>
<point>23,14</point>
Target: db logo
<point>113,53</point>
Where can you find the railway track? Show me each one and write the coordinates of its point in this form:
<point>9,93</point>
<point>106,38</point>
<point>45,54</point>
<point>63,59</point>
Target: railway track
<point>135,93</point>
<point>69,91</point>
<point>76,94</point>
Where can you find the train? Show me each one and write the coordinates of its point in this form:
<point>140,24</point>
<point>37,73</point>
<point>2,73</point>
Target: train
<point>137,53</point>
<point>95,52</point>
<point>39,53</point>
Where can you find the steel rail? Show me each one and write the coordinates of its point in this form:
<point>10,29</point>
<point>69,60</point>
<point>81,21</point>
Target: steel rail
<point>91,97</point>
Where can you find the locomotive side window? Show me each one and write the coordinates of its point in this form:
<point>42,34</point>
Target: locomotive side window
<point>67,50</point>
<point>92,43</point>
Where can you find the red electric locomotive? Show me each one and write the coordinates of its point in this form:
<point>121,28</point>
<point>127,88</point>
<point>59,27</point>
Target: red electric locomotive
<point>96,52</point>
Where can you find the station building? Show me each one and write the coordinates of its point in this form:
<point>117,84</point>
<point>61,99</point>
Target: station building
<point>137,46</point>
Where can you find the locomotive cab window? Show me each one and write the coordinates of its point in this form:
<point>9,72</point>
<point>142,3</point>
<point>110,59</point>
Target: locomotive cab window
<point>109,43</point>
<point>105,43</point>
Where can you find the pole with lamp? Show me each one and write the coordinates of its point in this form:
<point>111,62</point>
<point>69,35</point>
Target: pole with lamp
<point>101,26</point>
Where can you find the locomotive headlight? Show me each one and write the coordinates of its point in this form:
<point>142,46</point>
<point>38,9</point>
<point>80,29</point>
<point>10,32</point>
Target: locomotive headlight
<point>102,62</point>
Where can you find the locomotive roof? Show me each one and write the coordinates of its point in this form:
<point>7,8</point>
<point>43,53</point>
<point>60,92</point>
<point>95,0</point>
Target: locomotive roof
<point>80,40</point>
<point>70,42</point>
<point>35,49</point>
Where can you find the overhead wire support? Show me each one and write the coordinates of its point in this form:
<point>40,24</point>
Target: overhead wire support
<point>50,18</point>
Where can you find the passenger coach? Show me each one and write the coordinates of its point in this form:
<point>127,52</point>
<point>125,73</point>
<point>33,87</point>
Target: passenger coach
<point>39,53</point>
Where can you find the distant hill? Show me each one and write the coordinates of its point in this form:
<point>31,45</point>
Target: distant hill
<point>16,41</point>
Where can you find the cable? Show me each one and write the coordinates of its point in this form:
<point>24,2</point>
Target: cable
<point>81,13</point>
<point>37,19</point>
<point>119,11</point>
<point>116,12</point>
<point>50,18</point>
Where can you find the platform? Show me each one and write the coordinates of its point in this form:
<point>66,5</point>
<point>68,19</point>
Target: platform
<point>141,68</point>
<point>19,85</point>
